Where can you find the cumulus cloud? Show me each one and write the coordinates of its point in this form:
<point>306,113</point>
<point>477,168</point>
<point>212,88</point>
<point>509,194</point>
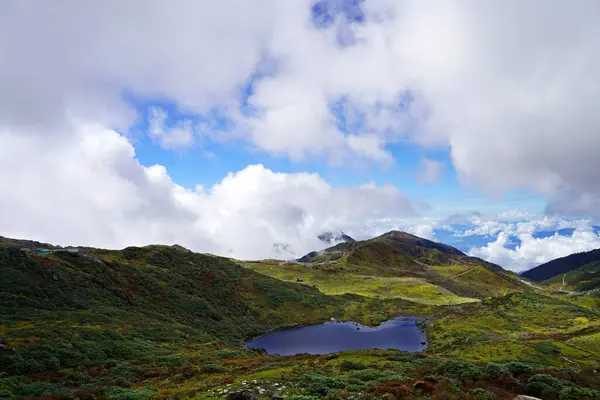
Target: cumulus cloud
<point>511,88</point>
<point>534,251</point>
<point>92,191</point>
<point>424,227</point>
<point>519,241</point>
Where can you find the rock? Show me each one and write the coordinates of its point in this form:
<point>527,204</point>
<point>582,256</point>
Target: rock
<point>243,395</point>
<point>523,397</point>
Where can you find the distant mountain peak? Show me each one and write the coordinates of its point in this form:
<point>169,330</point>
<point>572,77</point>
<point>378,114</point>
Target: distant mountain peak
<point>414,240</point>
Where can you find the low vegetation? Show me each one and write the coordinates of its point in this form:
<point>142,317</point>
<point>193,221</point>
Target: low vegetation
<point>163,322</point>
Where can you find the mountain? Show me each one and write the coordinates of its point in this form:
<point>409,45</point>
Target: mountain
<point>561,265</point>
<point>398,264</point>
<point>395,249</point>
<point>582,279</point>
<point>62,307</point>
<point>163,322</point>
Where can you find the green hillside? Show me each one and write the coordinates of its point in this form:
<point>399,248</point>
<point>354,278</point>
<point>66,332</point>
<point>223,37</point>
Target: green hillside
<point>163,322</point>
<point>396,265</point>
<point>562,265</point>
<point>581,279</point>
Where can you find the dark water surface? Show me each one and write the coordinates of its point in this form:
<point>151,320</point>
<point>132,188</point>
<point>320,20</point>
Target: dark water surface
<point>400,333</point>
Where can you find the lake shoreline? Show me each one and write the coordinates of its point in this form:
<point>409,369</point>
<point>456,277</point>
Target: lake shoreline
<point>404,333</point>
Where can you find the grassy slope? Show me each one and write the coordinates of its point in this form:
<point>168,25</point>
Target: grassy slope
<point>339,282</point>
<point>586,277</point>
<point>163,322</point>
<point>396,265</point>
<point>524,326</point>
<point>65,316</point>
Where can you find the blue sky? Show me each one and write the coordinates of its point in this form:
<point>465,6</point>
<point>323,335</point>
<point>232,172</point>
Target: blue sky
<point>208,161</point>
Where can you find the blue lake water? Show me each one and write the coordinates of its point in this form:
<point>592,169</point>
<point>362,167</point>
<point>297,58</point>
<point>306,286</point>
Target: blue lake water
<point>400,333</point>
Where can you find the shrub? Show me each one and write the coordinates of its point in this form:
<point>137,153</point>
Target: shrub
<point>573,393</point>
<point>52,363</point>
<point>170,361</point>
<point>39,388</point>
<point>116,393</point>
<point>211,368</point>
<point>517,368</point>
<point>542,390</point>
<point>459,369</point>
<point>321,385</point>
<point>348,365</point>
<point>497,371</point>
<point>391,390</point>
<point>482,394</point>
<point>548,380</point>
<point>424,386</point>
<point>370,375</point>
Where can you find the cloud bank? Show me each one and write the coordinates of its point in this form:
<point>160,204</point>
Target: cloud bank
<point>92,191</point>
<point>511,88</point>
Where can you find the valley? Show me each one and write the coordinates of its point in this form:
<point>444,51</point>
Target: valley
<point>164,322</point>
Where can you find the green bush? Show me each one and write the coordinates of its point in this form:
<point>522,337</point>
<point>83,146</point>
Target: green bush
<point>573,393</point>
<point>497,371</point>
<point>517,368</point>
<point>172,360</point>
<point>116,393</point>
<point>482,394</point>
<point>52,363</point>
<point>548,380</point>
<point>211,368</point>
<point>542,390</point>
<point>40,388</point>
<point>348,365</point>
<point>458,369</point>
<point>321,385</point>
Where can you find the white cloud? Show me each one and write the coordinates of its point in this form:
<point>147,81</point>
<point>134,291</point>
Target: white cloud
<point>92,191</point>
<point>534,251</point>
<point>422,226</point>
<point>430,171</point>
<point>511,87</point>
<point>169,137</point>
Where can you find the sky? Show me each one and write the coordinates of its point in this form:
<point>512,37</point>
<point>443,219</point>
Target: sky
<point>242,128</point>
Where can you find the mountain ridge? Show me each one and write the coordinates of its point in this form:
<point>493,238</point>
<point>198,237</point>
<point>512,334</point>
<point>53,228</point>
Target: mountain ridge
<point>561,265</point>
<point>396,265</point>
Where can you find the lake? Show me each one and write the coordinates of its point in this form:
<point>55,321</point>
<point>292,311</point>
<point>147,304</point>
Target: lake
<point>400,333</point>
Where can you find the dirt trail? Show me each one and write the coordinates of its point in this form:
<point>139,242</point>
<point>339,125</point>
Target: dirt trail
<point>459,274</point>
